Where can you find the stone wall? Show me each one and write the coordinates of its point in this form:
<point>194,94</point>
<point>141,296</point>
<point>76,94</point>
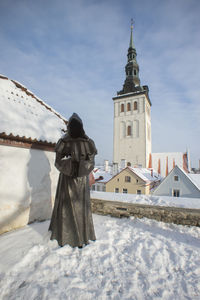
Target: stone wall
<point>183,216</point>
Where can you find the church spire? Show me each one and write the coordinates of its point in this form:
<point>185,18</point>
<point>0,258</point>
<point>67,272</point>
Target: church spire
<point>131,45</point>
<point>132,81</point>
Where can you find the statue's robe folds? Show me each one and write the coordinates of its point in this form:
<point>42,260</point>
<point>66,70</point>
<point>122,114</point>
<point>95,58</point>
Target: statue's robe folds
<point>71,221</point>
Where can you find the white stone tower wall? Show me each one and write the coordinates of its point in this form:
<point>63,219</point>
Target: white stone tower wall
<point>136,147</point>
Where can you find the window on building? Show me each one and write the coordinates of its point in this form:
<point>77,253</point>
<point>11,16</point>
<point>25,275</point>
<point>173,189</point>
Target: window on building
<point>116,190</point>
<point>139,192</point>
<point>93,187</point>
<point>98,188</point>
<point>128,164</point>
<point>176,178</point>
<point>135,105</point>
<point>125,191</point>
<point>128,106</point>
<point>129,130</point>
<point>127,179</point>
<point>104,188</point>
<point>176,193</point>
<point>122,107</point>
<point>135,72</point>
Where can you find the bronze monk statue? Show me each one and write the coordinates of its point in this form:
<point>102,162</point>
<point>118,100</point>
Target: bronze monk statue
<point>71,221</point>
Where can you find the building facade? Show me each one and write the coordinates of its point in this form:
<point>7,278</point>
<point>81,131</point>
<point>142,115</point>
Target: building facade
<point>179,183</point>
<point>133,181</point>
<point>29,130</point>
<point>132,117</point>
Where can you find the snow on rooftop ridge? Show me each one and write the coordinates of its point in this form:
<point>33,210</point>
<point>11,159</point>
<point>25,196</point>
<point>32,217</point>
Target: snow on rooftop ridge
<point>195,178</point>
<point>192,177</point>
<point>130,93</point>
<point>99,172</point>
<point>24,115</point>
<point>18,84</point>
<point>148,175</point>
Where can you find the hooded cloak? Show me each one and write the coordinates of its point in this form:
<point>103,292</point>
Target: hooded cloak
<point>71,221</point>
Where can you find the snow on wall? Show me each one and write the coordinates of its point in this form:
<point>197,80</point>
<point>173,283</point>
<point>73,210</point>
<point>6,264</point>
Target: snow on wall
<point>28,181</point>
<point>23,114</point>
<point>192,203</point>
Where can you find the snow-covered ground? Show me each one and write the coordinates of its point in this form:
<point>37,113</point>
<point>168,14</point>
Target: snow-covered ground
<point>135,259</point>
<point>148,199</point>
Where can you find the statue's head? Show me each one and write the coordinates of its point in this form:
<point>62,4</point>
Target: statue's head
<point>75,126</point>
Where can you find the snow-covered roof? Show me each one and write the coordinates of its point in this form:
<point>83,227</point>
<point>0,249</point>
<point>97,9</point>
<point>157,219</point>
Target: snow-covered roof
<point>106,175</point>
<point>24,115</point>
<point>195,178</point>
<point>148,175</point>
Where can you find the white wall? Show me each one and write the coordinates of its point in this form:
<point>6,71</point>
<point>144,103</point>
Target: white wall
<point>136,147</point>
<point>28,181</point>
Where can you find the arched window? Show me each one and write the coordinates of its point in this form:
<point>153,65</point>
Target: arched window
<point>128,106</point>
<point>128,164</point>
<point>122,107</point>
<point>135,72</point>
<point>135,106</point>
<point>129,130</point>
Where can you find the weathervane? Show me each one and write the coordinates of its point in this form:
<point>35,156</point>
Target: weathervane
<point>132,23</point>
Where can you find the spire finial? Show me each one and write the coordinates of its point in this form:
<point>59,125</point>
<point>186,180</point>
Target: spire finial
<point>132,23</point>
<point>131,39</point>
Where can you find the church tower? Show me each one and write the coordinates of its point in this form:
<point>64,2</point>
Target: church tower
<point>132,117</point>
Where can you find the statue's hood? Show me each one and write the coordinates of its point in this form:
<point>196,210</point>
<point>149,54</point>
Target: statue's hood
<point>75,126</point>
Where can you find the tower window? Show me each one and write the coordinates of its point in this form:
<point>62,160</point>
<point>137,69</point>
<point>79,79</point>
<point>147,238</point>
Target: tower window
<point>129,130</point>
<point>122,107</point>
<point>135,72</point>
<point>135,106</point>
<point>128,106</point>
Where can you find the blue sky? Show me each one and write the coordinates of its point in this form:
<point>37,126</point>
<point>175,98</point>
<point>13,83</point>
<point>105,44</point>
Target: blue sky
<point>72,55</point>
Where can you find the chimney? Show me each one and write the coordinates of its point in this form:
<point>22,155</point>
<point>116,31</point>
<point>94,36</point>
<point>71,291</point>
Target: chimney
<point>150,161</point>
<point>159,166</point>
<point>106,166</point>
<point>167,167</point>
<point>123,163</point>
<point>151,172</point>
<point>114,169</point>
